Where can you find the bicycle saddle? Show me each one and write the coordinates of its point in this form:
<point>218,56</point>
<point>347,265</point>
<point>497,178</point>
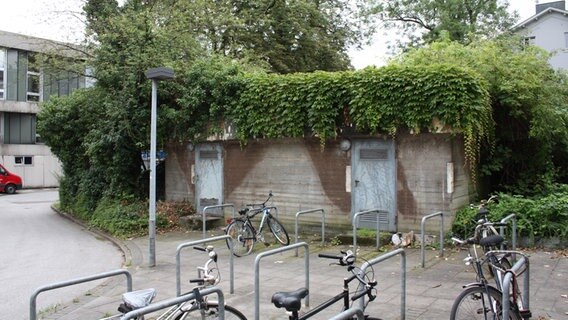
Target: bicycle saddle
<point>291,300</point>
<point>491,241</point>
<point>137,299</point>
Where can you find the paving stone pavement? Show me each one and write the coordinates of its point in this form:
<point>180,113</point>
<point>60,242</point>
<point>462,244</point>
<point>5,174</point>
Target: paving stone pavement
<point>430,291</point>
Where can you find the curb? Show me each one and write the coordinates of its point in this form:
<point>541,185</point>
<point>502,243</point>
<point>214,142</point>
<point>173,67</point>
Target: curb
<point>126,253</point>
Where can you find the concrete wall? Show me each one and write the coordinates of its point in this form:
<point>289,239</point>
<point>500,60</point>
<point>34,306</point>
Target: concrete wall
<point>423,162</point>
<point>303,176</point>
<point>44,171</point>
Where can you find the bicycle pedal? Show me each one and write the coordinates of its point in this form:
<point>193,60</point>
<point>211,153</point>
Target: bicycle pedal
<point>525,314</point>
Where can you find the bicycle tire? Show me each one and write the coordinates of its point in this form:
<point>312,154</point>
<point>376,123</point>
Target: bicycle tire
<point>278,231</point>
<point>211,313</point>
<point>242,238</point>
<point>472,303</point>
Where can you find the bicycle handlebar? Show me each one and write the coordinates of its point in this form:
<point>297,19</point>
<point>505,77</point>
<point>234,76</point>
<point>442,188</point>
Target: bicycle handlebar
<point>262,205</point>
<point>471,240</point>
<point>345,259</point>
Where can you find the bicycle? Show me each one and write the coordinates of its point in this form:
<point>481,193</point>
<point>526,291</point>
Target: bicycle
<point>480,300</point>
<point>486,228</point>
<point>198,308</point>
<point>292,300</point>
<point>244,235</point>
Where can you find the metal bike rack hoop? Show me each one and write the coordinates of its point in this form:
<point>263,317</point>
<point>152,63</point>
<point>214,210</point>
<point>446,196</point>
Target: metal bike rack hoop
<point>422,224</point>
<point>349,313</point>
<point>204,217</point>
<point>77,281</point>
<point>377,212</point>
<point>382,258</point>
<point>174,301</point>
<point>272,252</point>
<point>512,217</point>
<point>196,242</point>
<point>322,224</point>
<point>506,285</point>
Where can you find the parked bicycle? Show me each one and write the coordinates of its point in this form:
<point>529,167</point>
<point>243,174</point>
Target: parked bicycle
<point>199,308</point>
<point>292,300</point>
<point>485,228</point>
<point>480,300</point>
<point>244,235</point>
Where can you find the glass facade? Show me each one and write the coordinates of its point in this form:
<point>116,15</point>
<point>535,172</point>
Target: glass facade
<point>19,128</point>
<point>2,72</point>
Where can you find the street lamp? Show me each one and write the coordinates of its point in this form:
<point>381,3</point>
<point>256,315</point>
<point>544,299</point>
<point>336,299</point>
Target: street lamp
<point>155,75</point>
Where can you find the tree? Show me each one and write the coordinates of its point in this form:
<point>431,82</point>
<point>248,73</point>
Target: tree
<point>286,36</point>
<point>424,21</point>
<point>530,109</point>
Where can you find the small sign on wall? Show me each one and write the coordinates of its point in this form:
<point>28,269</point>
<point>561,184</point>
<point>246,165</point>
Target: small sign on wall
<point>348,178</point>
<point>450,177</point>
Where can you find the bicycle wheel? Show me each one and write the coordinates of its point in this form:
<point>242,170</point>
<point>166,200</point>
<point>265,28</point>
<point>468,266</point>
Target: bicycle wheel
<point>278,231</point>
<point>242,238</point>
<point>475,303</point>
<point>211,313</point>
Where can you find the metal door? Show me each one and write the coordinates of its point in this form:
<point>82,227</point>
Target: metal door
<point>208,175</point>
<point>373,182</point>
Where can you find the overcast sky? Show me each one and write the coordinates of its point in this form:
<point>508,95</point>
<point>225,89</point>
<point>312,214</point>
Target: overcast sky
<point>60,20</point>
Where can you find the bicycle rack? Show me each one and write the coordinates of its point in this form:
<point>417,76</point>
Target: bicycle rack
<point>322,224</point>
<point>349,313</point>
<point>441,214</point>
<point>196,242</point>
<point>272,252</point>
<point>356,221</point>
<point>203,215</point>
<point>523,261</point>
<point>77,281</point>
<point>512,217</point>
<point>174,301</point>
<point>382,258</point>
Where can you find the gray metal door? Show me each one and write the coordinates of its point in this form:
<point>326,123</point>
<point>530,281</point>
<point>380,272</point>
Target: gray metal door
<point>208,175</point>
<point>373,182</point>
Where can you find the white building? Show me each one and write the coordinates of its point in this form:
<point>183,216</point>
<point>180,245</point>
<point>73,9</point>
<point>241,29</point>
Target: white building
<point>22,87</point>
<point>548,29</point>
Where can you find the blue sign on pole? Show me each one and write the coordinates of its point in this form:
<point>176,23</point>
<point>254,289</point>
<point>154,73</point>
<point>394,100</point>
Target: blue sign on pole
<point>160,155</point>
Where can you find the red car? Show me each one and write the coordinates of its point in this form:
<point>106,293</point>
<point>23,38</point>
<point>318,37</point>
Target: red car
<point>9,182</point>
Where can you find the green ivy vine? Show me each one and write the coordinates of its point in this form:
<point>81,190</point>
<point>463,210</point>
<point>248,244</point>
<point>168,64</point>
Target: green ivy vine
<point>374,100</point>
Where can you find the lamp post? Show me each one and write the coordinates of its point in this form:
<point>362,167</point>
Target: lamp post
<point>155,75</point>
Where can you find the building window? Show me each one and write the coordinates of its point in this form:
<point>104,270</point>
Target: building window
<point>19,128</point>
<point>33,84</point>
<point>23,160</point>
<point>566,39</point>
<point>2,73</point>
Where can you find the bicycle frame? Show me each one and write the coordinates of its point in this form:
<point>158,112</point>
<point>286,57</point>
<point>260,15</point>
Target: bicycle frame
<point>493,261</point>
<point>344,295</point>
<point>247,219</point>
<point>285,299</point>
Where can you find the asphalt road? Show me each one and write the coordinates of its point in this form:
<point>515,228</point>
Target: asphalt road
<point>39,247</point>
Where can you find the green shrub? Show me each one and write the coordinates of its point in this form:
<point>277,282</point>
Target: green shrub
<point>120,218</point>
<point>128,217</point>
<point>537,218</point>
